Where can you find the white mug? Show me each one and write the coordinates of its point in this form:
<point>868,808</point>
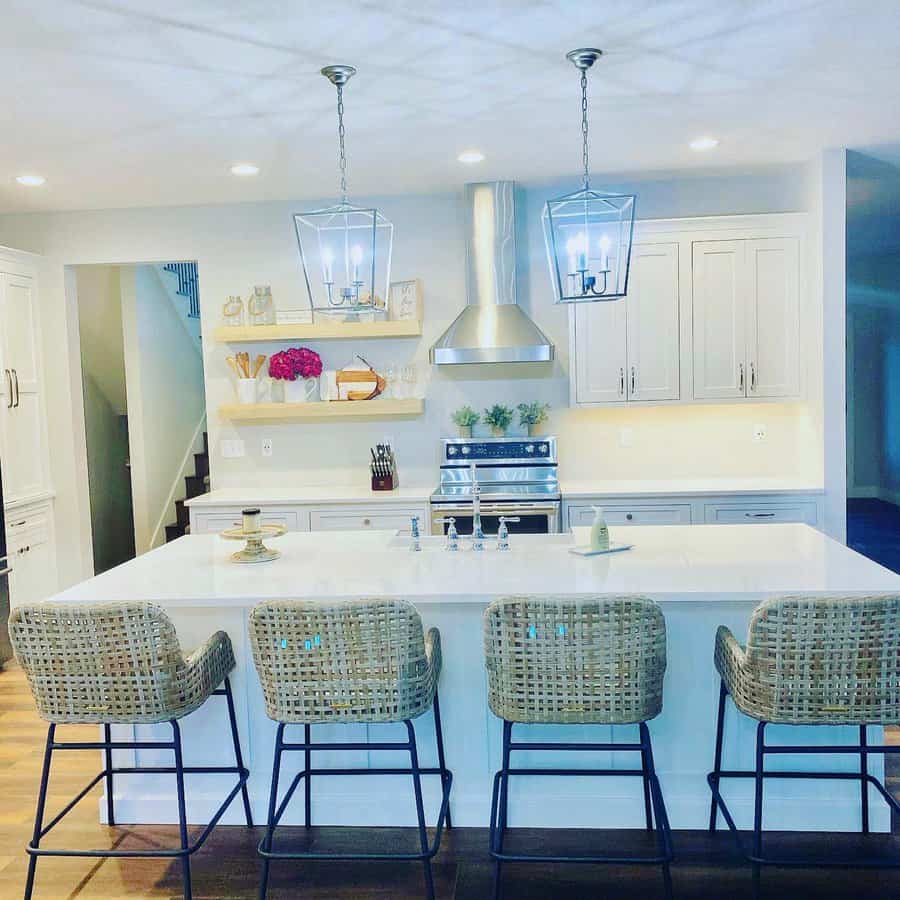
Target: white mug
<point>246,390</point>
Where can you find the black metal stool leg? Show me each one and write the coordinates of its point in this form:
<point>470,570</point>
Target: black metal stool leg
<point>270,817</point>
<point>663,830</point>
<point>307,781</point>
<point>420,808</point>
<point>717,762</point>
<point>863,776</point>
<point>238,757</point>
<point>646,767</point>
<point>110,810</point>
<point>39,813</point>
<point>502,808</point>
<point>182,812</point>
<point>758,799</point>
<point>439,737</point>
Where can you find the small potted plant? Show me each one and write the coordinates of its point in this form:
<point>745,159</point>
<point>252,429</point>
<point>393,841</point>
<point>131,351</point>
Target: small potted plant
<point>298,368</point>
<point>464,418</point>
<point>532,416</point>
<point>498,417</point>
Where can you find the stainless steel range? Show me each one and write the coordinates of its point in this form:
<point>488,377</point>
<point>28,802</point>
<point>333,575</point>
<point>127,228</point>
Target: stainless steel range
<point>511,477</point>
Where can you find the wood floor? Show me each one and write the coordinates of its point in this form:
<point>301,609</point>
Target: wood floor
<point>227,867</point>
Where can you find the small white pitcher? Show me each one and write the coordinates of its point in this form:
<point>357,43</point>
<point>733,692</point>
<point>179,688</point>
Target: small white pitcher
<point>302,390</point>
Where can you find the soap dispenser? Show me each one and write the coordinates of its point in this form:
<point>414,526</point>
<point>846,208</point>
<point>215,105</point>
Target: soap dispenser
<point>599,531</point>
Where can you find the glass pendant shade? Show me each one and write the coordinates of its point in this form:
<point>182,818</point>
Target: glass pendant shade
<point>588,236</point>
<point>346,255</point>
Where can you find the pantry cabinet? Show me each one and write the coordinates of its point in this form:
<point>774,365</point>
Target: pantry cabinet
<point>746,309</point>
<point>628,351</point>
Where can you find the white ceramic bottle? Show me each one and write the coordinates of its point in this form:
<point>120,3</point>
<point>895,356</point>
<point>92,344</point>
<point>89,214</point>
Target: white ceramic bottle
<point>599,531</point>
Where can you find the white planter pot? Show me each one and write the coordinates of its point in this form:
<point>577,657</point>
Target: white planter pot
<point>301,391</point>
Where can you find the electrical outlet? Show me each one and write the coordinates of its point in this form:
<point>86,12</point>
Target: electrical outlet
<point>626,437</point>
<point>232,449</point>
<point>267,446</point>
<point>759,432</point>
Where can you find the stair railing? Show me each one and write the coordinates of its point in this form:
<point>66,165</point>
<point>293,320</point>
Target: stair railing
<point>188,285</point>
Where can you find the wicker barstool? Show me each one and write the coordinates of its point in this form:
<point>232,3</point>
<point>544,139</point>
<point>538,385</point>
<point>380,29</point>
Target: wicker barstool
<point>120,664</point>
<point>810,661</point>
<point>588,661</point>
<point>365,661</point>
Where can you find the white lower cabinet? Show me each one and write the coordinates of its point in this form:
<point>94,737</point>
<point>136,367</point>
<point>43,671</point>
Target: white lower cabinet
<point>31,553</point>
<point>349,519</point>
<point>721,509</point>
<point>212,521</point>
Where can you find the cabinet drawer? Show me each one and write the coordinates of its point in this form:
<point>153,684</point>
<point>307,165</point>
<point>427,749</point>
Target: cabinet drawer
<point>393,519</point>
<point>27,528</point>
<point>760,513</point>
<point>636,514</point>
<point>214,522</point>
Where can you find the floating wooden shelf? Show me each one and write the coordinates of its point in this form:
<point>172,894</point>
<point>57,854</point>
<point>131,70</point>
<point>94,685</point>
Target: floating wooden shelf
<point>317,331</point>
<point>343,409</point>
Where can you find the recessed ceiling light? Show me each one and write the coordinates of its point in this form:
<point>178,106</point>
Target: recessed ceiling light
<point>704,143</point>
<point>31,180</point>
<point>471,156</point>
<point>244,169</point>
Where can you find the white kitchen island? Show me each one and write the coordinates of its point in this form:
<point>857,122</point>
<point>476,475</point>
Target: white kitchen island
<point>702,575</point>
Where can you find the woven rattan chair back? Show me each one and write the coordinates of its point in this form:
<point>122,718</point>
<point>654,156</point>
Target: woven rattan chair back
<point>824,660</point>
<point>102,662</point>
<point>583,660</point>
<point>354,661</point>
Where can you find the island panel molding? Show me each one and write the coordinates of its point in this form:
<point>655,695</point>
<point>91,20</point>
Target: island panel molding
<point>703,576</point>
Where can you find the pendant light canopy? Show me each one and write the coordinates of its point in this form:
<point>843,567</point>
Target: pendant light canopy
<point>345,249</point>
<point>588,233</point>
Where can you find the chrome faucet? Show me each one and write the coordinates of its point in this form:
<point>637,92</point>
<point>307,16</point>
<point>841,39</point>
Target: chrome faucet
<point>414,543</point>
<point>477,530</point>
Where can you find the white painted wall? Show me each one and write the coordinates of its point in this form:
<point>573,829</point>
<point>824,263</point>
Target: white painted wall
<point>164,377</point>
<point>240,245</point>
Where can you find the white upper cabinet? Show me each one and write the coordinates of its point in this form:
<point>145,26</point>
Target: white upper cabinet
<point>652,323</point>
<point>628,349</point>
<point>22,424</point>
<point>720,322</point>
<point>773,318</point>
<point>600,352</point>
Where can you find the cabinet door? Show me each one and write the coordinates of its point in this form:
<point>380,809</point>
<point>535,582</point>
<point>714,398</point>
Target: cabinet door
<point>720,328</point>
<point>32,557</point>
<point>21,407</point>
<point>652,323</point>
<point>600,373</point>
<point>773,318</point>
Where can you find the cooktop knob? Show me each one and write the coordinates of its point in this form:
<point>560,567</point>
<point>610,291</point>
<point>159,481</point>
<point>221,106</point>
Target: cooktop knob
<point>451,451</point>
<point>466,451</point>
<point>543,448</point>
<point>529,448</point>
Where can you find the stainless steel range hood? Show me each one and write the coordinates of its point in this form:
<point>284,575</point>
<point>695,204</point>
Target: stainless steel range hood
<point>492,328</point>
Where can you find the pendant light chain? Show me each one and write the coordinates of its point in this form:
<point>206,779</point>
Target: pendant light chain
<point>584,128</point>
<point>341,134</point>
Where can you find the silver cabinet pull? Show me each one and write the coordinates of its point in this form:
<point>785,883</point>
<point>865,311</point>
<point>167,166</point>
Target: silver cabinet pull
<point>621,382</point>
<point>9,387</point>
<point>16,377</point>
<point>741,375</point>
<point>759,515</point>
<point>752,377</point>
<point>632,379</point>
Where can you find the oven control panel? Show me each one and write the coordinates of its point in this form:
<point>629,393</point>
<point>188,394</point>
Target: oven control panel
<point>500,450</point>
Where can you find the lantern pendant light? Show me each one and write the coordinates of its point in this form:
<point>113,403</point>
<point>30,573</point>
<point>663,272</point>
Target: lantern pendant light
<point>588,233</point>
<point>345,250</point>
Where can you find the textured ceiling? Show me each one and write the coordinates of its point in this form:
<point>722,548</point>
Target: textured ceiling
<point>128,102</point>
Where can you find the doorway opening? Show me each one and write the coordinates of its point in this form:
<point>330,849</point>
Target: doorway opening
<point>144,403</point>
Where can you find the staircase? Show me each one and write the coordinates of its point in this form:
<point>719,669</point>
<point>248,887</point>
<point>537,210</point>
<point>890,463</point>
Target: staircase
<point>194,486</point>
<point>188,285</point>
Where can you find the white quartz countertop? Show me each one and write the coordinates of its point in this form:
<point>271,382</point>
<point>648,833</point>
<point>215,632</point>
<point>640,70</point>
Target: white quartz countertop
<point>688,487</point>
<point>699,563</point>
<point>321,495</point>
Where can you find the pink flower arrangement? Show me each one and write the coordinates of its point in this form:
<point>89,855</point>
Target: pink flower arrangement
<point>294,363</point>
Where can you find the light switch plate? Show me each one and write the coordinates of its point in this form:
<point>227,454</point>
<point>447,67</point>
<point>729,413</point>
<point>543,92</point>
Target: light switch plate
<point>232,449</point>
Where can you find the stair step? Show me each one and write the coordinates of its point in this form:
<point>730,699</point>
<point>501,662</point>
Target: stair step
<point>201,464</point>
<point>174,531</point>
<point>206,443</point>
<point>182,513</point>
<point>194,486</point>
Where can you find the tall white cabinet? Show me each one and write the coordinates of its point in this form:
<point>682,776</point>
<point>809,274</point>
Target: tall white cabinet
<point>24,458</point>
<point>712,314</point>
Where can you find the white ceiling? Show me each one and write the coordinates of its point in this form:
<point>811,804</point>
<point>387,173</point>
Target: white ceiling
<point>132,102</point>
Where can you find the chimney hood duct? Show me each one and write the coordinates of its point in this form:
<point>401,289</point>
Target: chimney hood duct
<point>492,328</point>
